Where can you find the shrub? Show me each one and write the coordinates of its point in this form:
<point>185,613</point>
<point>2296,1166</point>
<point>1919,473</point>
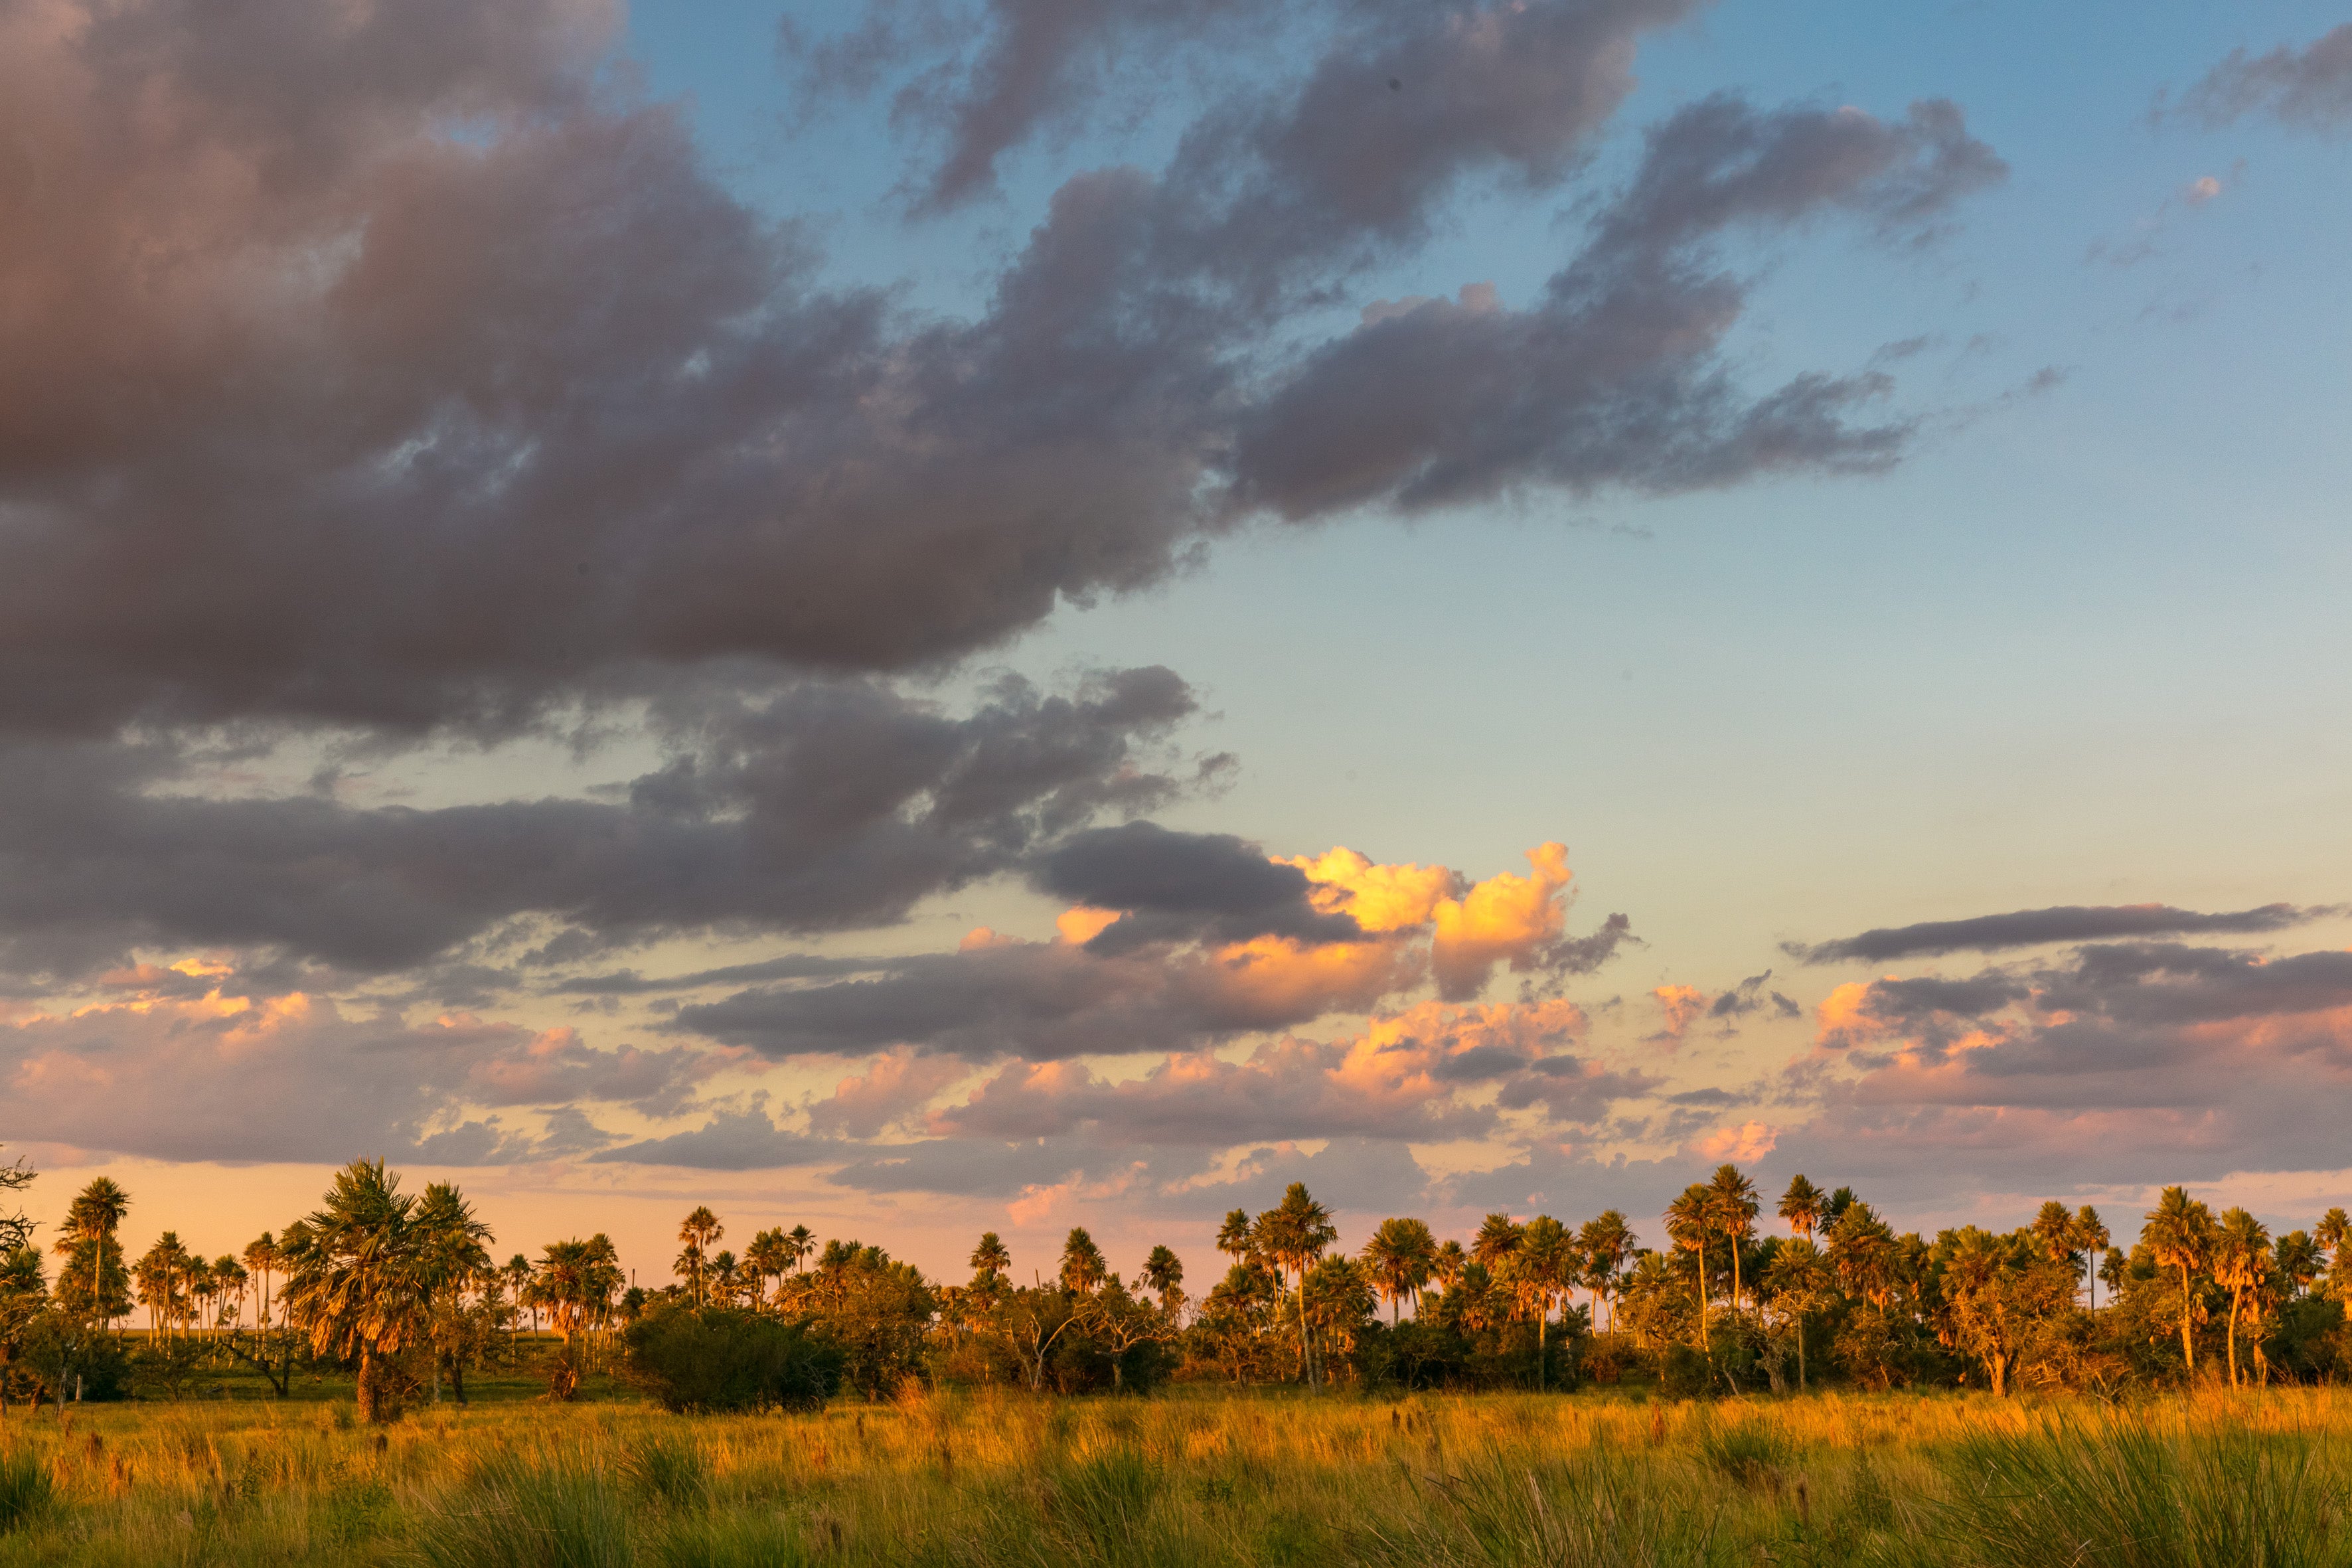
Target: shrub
<point>722,1359</point>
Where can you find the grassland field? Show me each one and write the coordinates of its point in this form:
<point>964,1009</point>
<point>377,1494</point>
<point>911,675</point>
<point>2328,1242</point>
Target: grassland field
<point>1195,1475</point>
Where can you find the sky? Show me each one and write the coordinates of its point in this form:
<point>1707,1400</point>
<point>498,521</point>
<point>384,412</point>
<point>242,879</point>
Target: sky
<point>926,617</point>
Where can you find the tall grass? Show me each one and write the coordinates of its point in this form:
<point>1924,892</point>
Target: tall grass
<point>1196,1477</point>
<point>517,1513</point>
<point>2118,1493</point>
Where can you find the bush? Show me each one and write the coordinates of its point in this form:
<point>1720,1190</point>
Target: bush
<point>722,1359</point>
<point>1685,1373</point>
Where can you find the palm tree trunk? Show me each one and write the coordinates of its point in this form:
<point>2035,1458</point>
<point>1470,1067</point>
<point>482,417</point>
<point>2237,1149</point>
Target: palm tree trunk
<point>2187,1345</point>
<point>366,1390</point>
<point>2234,1338</point>
<point>1800,1352</point>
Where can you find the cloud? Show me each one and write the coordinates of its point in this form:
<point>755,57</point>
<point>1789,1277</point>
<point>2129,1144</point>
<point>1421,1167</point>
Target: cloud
<point>432,263</point>
<point>1679,1006</point>
<point>2034,928</point>
<point>1176,886</point>
<point>2124,1065</point>
<point>2305,88</point>
<point>824,805</point>
<point>1610,379</point>
<point>291,1077</point>
<point>1181,983</point>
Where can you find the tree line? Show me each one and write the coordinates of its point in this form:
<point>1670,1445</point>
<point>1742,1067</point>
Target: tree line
<point>400,1293</point>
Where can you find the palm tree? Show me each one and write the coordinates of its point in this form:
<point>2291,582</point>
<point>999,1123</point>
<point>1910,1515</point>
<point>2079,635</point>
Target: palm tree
<point>1732,1205</point>
<point>453,1245</point>
<point>162,1275</point>
<point>1690,1224</point>
<point>2242,1261</point>
<point>1295,1234</point>
<point>359,1280</point>
<point>1400,1256</point>
<point>1499,1236</point>
<point>1451,1261</point>
<point>697,1231</point>
<point>2179,1235</point>
<point>263,1258</point>
<point>1606,1241</point>
<point>1164,1276</point>
<point>2090,1239</point>
<point>799,1242</point>
<point>1801,1205</point>
<point>517,1274</point>
<point>1233,1238</point>
<point>2298,1261</point>
<point>1083,1269</point>
<point>1548,1264</point>
<point>93,1217</point>
<point>765,1257</point>
<point>1799,1278</point>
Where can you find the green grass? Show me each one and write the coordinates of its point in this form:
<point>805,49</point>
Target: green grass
<point>1196,1476</point>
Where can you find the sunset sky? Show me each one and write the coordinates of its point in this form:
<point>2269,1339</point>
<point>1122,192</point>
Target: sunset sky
<point>1000,614</point>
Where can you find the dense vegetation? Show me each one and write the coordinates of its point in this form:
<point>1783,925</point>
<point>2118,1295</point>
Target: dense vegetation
<point>400,1294</point>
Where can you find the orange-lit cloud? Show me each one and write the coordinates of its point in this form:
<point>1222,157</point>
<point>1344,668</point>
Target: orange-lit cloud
<point>1678,1007</point>
<point>1505,919</point>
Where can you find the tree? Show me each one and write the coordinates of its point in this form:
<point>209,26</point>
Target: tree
<point>1799,1281</point>
<point>2090,1239</point>
<point>358,1282</point>
<point>91,1220</point>
<point>452,1247</point>
<point>2297,1260</point>
<point>16,1230</point>
<point>1164,1276</point>
<point>1690,1224</point>
<point>2179,1235</point>
<point>1400,1259</point>
<point>2242,1263</point>
<point>1801,1205</point>
<point>1549,1265</point>
<point>1451,1261</point>
<point>263,1258</point>
<point>1732,1205</point>
<point>696,1231</point>
<point>1295,1233</point>
<point>767,1259</point>
<point>1998,1291</point>
<point>1234,1236</point>
<point>1083,1269</point>
<point>1607,1243</point>
<point>163,1273</point>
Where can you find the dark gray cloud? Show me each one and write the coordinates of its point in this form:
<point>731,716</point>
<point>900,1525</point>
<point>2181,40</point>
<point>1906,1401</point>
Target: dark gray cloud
<point>823,806</point>
<point>2035,928</point>
<point>1611,377</point>
<point>2309,89</point>
<point>1044,1002</point>
<point>1183,886</point>
<point>469,392</point>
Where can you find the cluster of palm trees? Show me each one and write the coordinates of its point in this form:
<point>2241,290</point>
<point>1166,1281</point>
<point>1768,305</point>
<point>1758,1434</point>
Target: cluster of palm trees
<point>375,1273</point>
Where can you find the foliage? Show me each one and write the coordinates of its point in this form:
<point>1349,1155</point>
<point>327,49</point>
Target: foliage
<point>724,1358</point>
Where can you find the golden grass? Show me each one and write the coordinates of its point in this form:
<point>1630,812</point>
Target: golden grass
<point>1193,1475</point>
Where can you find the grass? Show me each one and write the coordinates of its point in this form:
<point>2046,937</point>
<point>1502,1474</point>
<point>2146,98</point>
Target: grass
<point>1196,1476</point>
